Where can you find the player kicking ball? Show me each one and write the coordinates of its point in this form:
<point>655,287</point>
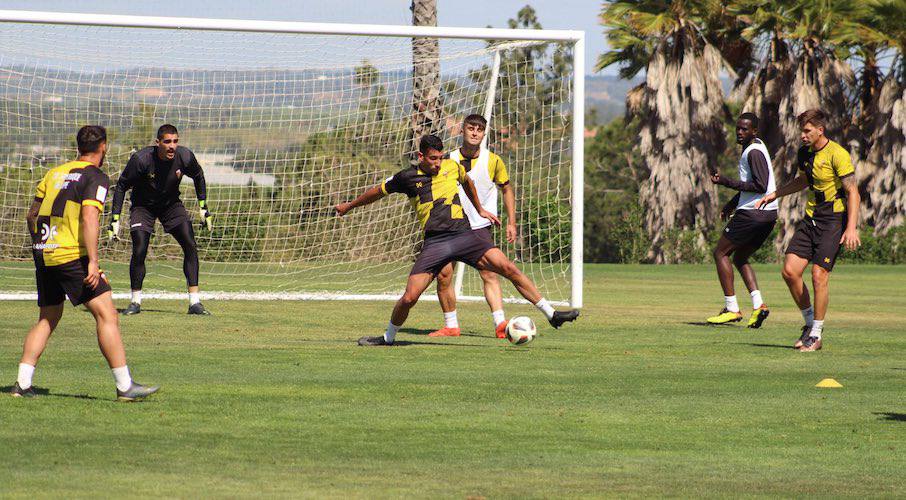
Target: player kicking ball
<point>154,174</point>
<point>64,223</point>
<point>748,227</point>
<point>433,190</point>
<point>488,173</point>
<point>831,214</point>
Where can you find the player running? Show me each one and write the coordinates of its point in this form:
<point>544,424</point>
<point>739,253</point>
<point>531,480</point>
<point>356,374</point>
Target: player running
<point>830,221</point>
<point>64,223</point>
<point>748,228</point>
<point>488,173</point>
<point>432,188</point>
<point>154,174</point>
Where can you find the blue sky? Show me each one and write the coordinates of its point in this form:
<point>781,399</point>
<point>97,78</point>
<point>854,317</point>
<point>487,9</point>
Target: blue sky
<point>553,14</point>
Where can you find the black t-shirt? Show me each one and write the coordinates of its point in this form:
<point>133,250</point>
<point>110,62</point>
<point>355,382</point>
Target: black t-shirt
<point>155,182</point>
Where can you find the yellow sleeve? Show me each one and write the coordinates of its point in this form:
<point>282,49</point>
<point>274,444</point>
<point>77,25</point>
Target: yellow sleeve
<point>842,163</point>
<point>41,192</point>
<point>498,172</point>
<point>462,172</point>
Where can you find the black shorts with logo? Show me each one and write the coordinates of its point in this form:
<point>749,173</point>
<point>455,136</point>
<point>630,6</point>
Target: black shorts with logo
<point>55,283</point>
<point>750,227</point>
<point>441,249</point>
<point>171,216</point>
<point>818,240</point>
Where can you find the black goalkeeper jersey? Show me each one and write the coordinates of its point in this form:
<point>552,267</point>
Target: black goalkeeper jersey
<point>155,182</point>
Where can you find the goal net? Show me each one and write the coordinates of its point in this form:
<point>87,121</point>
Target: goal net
<point>287,123</point>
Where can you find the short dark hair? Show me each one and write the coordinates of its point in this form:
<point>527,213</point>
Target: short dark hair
<point>476,119</point>
<point>90,137</point>
<point>429,142</point>
<point>166,129</point>
<point>752,117</point>
<point>814,116</point>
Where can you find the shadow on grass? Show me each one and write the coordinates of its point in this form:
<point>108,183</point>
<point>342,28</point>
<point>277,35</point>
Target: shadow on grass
<point>709,325</point>
<point>422,331</point>
<point>893,417</point>
<point>440,344</point>
<point>41,391</point>
<point>122,309</point>
<point>775,346</point>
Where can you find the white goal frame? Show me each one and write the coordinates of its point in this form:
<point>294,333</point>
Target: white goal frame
<point>575,37</point>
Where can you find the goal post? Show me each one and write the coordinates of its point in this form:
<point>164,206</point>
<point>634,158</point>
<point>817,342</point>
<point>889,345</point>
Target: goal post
<point>289,119</point>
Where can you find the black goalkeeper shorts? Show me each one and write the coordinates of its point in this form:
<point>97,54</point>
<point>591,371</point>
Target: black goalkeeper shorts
<point>170,216</point>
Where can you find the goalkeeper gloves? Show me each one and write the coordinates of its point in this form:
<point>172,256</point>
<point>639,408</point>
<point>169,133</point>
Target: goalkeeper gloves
<point>113,229</point>
<point>206,216</point>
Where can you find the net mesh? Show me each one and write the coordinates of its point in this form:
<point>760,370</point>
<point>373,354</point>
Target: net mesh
<point>285,126</point>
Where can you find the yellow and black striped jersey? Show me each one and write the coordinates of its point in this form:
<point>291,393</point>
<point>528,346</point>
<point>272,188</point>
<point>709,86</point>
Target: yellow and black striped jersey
<point>824,169</point>
<point>434,198</point>
<point>63,192</point>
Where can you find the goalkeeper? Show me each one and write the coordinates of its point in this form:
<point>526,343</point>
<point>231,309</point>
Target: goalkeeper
<point>154,174</point>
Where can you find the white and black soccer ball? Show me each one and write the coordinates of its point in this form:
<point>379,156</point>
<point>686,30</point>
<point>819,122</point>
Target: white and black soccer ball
<point>520,330</point>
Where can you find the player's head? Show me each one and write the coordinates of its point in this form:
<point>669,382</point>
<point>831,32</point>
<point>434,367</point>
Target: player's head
<point>474,128</point>
<point>92,141</point>
<point>746,128</point>
<point>167,140</point>
<point>811,126</point>
<point>430,153</point>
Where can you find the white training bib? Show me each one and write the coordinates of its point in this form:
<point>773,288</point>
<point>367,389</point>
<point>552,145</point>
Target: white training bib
<point>484,185</point>
<point>746,199</point>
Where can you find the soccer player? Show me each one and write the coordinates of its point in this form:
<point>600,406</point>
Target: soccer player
<point>831,216</point>
<point>154,174</point>
<point>64,224</point>
<point>432,189</point>
<point>488,172</point>
<point>748,228</point>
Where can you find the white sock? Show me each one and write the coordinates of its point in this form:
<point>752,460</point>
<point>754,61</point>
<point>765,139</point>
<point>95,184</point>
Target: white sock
<point>817,326</point>
<point>498,316</point>
<point>756,299</point>
<point>25,373</point>
<point>808,315</point>
<point>122,377</point>
<point>545,307</point>
<point>193,298</point>
<point>730,303</point>
<point>390,334</point>
<point>450,320</point>
<point>137,297</point>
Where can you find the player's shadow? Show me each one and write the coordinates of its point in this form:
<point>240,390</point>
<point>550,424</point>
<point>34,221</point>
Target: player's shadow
<point>121,310</point>
<point>438,344</point>
<point>709,325</point>
<point>41,391</point>
<point>775,346</point>
<point>893,417</point>
<point>415,331</point>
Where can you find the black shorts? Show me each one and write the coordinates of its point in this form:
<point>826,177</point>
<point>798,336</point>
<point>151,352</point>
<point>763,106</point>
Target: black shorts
<point>55,283</point>
<point>818,240</point>
<point>171,216</point>
<point>486,234</point>
<point>438,251</point>
<point>750,227</point>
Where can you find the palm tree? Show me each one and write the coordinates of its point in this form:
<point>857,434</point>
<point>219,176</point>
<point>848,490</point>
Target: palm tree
<point>886,156</point>
<point>805,43</point>
<point>680,108</point>
<point>427,108</point>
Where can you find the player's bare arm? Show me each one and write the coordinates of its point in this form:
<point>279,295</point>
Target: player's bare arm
<point>91,228</point>
<point>509,204</point>
<point>794,186</point>
<point>469,187</point>
<point>371,195</point>
<point>31,217</point>
<point>850,238</point>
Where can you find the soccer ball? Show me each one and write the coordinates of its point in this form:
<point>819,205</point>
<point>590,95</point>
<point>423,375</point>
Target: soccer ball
<point>520,330</point>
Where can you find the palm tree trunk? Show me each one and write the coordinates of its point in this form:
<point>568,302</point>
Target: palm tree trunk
<point>426,104</point>
<point>681,137</point>
<point>887,154</point>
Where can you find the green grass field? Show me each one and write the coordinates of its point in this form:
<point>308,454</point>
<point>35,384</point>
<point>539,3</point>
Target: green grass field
<point>635,399</point>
